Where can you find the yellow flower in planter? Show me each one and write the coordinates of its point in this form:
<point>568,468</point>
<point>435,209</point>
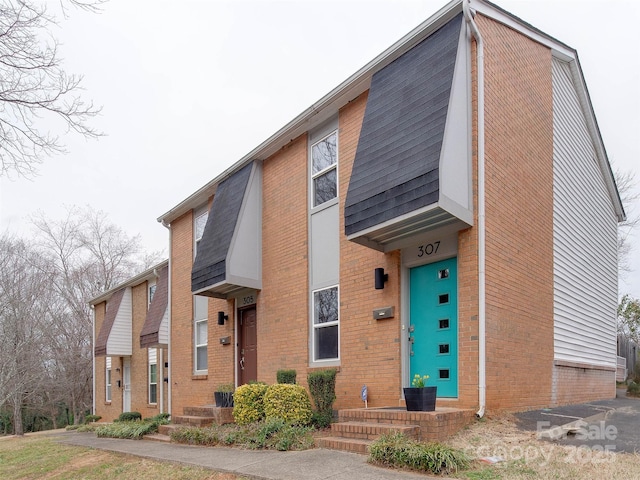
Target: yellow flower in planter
<point>419,381</point>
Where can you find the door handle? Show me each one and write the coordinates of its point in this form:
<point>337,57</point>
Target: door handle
<point>242,363</point>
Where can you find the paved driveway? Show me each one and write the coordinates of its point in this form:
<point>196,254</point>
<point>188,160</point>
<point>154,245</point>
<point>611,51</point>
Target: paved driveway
<point>606,425</point>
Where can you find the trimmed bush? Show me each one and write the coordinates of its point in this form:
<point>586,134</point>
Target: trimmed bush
<point>288,402</point>
<point>322,385</point>
<point>248,403</point>
<point>396,450</point>
<point>129,417</point>
<point>91,418</point>
<point>286,376</point>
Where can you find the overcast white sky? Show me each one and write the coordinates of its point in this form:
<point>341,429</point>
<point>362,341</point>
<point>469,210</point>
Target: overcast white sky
<point>189,87</point>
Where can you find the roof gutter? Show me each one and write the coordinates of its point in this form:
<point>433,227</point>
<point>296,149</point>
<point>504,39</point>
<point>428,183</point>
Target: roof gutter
<point>482,315</point>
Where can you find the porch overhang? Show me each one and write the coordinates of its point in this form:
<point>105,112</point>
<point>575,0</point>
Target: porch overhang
<point>412,171</point>
<point>114,338</point>
<point>229,256</point>
<point>155,331</point>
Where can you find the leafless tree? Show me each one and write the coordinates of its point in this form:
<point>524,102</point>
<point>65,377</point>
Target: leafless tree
<point>89,255</point>
<point>37,95</point>
<point>24,283</point>
<point>629,195</point>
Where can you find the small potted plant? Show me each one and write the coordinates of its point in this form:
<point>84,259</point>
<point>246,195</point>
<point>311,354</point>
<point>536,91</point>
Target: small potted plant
<point>419,397</point>
<point>224,395</point>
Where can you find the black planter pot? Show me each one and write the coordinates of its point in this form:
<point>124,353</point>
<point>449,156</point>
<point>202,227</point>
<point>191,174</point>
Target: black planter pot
<point>420,399</point>
<point>223,399</point>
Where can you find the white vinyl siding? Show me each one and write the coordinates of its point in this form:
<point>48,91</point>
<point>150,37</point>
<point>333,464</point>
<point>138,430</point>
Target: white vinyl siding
<point>120,343</point>
<point>585,237</point>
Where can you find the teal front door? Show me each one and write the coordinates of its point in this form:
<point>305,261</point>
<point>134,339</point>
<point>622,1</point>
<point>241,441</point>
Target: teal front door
<point>433,332</point>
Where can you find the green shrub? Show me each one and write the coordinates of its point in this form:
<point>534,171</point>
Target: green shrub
<point>397,450</point>
<point>129,417</point>
<point>272,434</point>
<point>134,429</point>
<point>226,387</point>
<point>633,389</point>
<point>91,418</point>
<point>321,419</point>
<point>195,436</point>
<point>286,376</point>
<point>289,402</point>
<point>248,403</point>
<point>322,385</point>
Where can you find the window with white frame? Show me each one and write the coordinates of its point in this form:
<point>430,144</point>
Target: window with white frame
<point>326,324</point>
<point>152,291</point>
<point>200,303</point>
<point>108,380</point>
<point>153,375</point>
<point>324,172</point>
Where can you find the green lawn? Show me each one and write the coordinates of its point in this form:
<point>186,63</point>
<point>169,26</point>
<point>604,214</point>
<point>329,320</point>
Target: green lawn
<point>41,457</point>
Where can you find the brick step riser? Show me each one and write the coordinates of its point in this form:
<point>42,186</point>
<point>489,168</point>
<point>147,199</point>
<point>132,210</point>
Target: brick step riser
<point>372,431</point>
<point>193,421</point>
<point>167,429</point>
<point>198,411</point>
<point>345,445</point>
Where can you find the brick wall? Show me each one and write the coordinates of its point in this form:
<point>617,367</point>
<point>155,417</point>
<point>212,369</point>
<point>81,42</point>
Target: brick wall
<point>581,383</point>
<point>519,218</point>
<point>370,349</point>
<point>140,356</point>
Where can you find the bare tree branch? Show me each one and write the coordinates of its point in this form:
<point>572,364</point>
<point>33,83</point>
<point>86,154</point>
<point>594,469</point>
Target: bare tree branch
<point>37,96</point>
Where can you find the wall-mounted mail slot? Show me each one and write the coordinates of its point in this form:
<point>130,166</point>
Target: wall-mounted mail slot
<point>382,313</point>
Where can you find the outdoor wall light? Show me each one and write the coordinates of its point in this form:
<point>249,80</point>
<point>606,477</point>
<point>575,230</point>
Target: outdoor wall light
<point>380,278</point>
<point>118,370</point>
<point>222,317</point>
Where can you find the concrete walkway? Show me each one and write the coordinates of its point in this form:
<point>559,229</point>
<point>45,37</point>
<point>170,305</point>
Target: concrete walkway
<point>314,464</point>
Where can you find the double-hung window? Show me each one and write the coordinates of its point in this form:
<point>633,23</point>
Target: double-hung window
<point>326,324</point>
<point>200,303</point>
<point>108,380</point>
<point>153,375</point>
<point>324,162</point>
<point>324,246</point>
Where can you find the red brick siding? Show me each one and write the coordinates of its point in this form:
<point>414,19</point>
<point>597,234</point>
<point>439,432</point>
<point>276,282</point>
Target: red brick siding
<point>519,218</point>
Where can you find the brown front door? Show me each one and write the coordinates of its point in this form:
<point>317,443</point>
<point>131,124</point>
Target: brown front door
<point>247,346</point>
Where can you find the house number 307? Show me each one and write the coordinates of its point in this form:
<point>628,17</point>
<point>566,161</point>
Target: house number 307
<point>428,249</point>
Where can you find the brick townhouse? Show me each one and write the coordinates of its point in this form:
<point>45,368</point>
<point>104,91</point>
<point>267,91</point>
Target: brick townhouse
<point>448,210</point>
<point>131,335</point>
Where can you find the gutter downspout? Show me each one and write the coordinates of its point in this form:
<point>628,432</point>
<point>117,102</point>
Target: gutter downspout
<point>482,317</point>
<point>93,358</point>
<point>168,227</point>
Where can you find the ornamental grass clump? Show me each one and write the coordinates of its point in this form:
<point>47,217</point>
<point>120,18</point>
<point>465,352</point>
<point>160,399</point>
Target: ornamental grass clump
<point>396,450</point>
<point>287,402</point>
<point>248,403</point>
<point>133,429</point>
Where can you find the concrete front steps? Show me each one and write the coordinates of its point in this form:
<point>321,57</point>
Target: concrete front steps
<point>358,428</point>
<point>202,416</point>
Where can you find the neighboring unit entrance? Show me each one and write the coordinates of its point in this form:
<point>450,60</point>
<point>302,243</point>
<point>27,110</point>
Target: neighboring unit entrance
<point>433,333</point>
<point>247,346</point>
<point>126,385</point>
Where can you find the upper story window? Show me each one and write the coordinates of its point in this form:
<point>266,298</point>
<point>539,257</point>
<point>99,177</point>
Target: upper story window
<point>198,227</point>
<point>324,174</point>
<point>152,291</point>
<point>200,303</point>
